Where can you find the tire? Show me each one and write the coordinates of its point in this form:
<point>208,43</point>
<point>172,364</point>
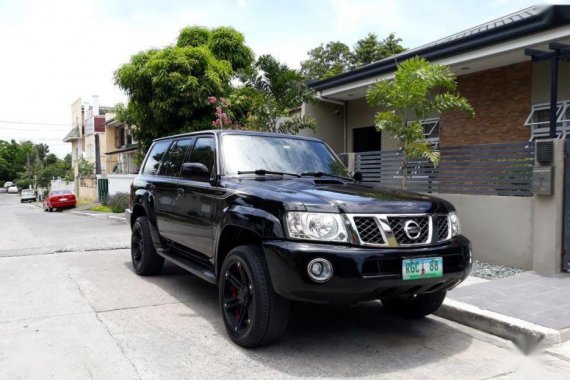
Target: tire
<point>254,315</point>
<point>146,261</point>
<point>416,307</point>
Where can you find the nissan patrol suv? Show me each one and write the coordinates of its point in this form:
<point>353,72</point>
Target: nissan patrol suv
<point>273,219</point>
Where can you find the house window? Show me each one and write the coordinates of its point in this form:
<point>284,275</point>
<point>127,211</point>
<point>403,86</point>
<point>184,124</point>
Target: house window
<point>431,131</point>
<point>565,114</point>
<point>539,120</point>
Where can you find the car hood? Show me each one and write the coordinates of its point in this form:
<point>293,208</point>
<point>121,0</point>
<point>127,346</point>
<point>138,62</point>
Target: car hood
<point>338,196</point>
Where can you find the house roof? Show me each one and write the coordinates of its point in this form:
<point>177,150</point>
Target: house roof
<point>72,135</point>
<point>515,25</point>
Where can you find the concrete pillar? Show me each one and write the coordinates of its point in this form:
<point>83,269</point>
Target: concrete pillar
<point>548,219</point>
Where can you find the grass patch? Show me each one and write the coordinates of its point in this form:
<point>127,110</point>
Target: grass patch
<point>101,208</point>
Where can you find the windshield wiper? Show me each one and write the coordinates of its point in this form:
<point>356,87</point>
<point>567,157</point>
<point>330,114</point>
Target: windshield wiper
<point>264,172</point>
<point>321,174</point>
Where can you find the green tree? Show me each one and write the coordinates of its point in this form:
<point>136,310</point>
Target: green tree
<point>85,168</point>
<point>418,90</point>
<point>327,61</point>
<point>335,57</point>
<point>14,157</point>
<point>370,49</point>
<point>168,88</point>
<point>271,94</point>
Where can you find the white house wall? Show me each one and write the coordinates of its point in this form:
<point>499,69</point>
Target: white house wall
<point>330,123</point>
<point>120,183</point>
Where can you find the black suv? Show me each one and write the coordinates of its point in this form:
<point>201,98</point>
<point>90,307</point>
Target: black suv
<point>272,218</point>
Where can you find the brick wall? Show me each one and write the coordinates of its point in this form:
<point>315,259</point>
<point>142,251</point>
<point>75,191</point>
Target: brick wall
<point>501,98</point>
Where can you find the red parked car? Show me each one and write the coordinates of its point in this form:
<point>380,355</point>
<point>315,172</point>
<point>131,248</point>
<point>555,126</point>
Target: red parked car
<point>59,199</point>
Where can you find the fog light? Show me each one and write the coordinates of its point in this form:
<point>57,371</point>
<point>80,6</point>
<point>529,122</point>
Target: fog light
<point>320,270</point>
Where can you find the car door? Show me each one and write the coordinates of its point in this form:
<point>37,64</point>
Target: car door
<point>195,201</point>
<point>152,179</point>
<point>166,188</point>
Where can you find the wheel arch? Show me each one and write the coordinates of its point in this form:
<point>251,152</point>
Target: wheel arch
<point>233,236</point>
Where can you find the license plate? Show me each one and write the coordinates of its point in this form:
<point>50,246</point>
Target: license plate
<point>424,267</point>
<point>63,199</point>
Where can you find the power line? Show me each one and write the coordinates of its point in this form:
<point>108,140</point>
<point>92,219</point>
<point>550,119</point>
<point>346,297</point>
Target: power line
<point>36,123</point>
<point>31,138</point>
<point>2,128</point>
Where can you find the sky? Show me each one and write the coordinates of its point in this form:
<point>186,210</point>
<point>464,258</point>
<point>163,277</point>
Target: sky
<point>53,52</point>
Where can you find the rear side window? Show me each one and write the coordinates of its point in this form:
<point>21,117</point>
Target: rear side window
<point>173,161</point>
<point>154,157</point>
<point>200,163</point>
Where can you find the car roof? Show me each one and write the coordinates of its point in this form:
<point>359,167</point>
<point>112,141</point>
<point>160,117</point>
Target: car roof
<point>221,132</point>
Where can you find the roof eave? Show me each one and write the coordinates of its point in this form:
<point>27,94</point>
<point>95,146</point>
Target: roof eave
<point>552,17</point>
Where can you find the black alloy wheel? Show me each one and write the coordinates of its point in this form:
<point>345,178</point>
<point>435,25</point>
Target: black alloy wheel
<point>254,315</point>
<point>143,254</point>
<point>238,302</point>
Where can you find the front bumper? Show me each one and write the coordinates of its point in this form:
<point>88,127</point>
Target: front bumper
<point>361,273</point>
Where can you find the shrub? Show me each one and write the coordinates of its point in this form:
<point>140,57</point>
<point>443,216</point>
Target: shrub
<point>118,202</point>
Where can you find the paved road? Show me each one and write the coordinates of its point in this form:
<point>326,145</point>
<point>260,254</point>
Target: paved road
<point>77,310</point>
<point>26,230</point>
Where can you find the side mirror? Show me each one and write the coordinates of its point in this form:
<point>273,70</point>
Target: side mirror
<point>357,176</point>
<point>195,171</point>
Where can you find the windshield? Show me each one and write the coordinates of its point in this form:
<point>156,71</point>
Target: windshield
<point>244,153</point>
<point>27,192</point>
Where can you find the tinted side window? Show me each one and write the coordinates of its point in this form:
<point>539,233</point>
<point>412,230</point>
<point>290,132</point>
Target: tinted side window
<point>155,155</point>
<point>173,161</point>
<point>200,162</point>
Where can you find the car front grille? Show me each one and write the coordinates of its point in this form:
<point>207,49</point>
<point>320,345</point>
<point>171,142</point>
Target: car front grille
<point>400,230</point>
<point>368,230</point>
<point>398,226</point>
<point>442,222</point>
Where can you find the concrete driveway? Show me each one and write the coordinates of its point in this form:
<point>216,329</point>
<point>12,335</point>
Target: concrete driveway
<point>72,308</point>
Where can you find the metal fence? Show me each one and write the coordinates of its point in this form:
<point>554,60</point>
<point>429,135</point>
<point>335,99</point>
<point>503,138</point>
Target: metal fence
<point>492,169</point>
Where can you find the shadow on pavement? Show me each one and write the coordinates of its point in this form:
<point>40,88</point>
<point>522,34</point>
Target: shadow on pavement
<point>328,340</point>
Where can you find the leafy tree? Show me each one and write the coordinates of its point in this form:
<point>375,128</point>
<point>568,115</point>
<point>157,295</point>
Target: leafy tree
<point>13,158</point>
<point>418,90</point>
<point>335,57</point>
<point>327,61</point>
<point>85,168</point>
<point>30,164</point>
<point>168,88</point>
<point>369,49</point>
<point>271,92</point>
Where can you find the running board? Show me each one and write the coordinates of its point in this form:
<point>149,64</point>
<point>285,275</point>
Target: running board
<point>190,265</point>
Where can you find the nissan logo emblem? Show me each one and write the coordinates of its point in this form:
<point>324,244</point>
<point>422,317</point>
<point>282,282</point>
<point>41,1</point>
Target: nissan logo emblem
<point>412,230</point>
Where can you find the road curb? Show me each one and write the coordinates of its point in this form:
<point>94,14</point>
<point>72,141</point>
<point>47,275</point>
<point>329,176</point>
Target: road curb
<point>526,335</point>
<point>98,216</point>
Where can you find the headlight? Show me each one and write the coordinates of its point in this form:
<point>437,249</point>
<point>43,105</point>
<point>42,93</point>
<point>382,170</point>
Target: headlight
<point>316,226</point>
<point>454,224</point>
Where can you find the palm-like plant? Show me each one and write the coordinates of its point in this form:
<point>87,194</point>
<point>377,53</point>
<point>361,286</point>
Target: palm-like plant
<point>274,90</point>
<point>418,90</point>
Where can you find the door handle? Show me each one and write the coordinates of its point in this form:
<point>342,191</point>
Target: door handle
<point>180,191</point>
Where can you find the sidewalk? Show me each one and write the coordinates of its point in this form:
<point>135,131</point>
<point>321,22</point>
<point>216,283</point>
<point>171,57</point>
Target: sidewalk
<point>530,309</point>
